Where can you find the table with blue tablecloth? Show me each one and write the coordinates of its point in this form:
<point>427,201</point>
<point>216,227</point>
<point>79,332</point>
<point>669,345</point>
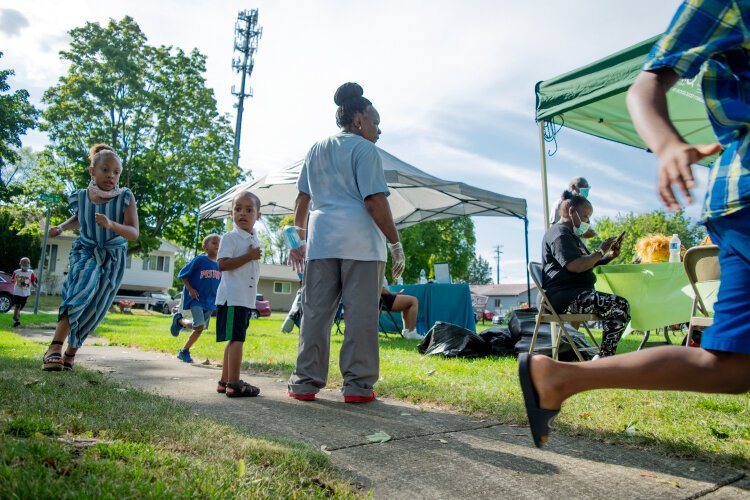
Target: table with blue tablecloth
<point>437,302</point>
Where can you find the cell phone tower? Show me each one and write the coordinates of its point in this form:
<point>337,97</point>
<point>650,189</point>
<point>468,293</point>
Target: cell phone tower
<point>246,36</point>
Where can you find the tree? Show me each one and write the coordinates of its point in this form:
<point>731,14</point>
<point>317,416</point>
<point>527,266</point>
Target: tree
<point>17,115</point>
<point>479,272</point>
<point>152,105</point>
<point>19,240</point>
<point>446,240</point>
<point>637,226</point>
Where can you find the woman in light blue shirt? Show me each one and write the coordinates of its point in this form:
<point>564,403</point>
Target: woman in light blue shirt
<point>342,207</point>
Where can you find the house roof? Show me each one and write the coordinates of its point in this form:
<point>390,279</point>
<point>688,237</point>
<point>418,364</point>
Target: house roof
<point>278,272</point>
<point>502,289</point>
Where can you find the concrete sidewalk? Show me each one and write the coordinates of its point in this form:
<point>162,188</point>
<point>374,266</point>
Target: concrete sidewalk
<point>432,454</point>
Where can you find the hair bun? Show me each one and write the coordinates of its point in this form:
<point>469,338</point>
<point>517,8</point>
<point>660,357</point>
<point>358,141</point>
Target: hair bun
<point>96,148</point>
<point>567,195</point>
<point>346,92</point>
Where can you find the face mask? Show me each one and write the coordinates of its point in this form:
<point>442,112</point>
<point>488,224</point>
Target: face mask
<point>584,192</point>
<point>582,226</point>
<point>25,268</point>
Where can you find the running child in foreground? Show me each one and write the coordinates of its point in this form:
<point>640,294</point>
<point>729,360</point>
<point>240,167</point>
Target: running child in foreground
<point>239,261</point>
<point>107,217</point>
<point>201,278</point>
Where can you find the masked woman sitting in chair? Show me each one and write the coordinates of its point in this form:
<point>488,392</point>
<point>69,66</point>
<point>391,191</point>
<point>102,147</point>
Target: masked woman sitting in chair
<point>568,276</point>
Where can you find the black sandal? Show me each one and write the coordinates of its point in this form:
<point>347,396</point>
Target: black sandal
<point>67,365</point>
<point>540,420</point>
<point>222,388</point>
<point>242,390</point>
<point>52,361</point>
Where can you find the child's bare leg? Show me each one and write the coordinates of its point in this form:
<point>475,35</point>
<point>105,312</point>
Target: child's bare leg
<point>16,312</point>
<point>185,323</point>
<point>193,337</point>
<point>225,366</point>
<point>233,356</point>
<point>661,368</point>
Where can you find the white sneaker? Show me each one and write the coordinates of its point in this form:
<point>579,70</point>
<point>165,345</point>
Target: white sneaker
<point>410,334</point>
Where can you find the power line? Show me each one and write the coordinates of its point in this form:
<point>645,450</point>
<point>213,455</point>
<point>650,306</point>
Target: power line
<point>498,251</point>
<point>246,36</point>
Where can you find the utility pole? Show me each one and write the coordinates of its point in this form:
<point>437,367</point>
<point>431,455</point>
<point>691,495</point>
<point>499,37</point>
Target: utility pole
<point>498,251</point>
<point>247,33</point>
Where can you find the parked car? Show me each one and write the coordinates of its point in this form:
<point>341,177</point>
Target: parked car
<point>175,303</point>
<point>262,307</point>
<point>6,292</point>
<point>160,301</point>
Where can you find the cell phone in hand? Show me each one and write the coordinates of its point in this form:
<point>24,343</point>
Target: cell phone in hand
<point>619,238</point>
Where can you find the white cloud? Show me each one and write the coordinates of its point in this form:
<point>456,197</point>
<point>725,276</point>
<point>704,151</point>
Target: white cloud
<point>12,22</point>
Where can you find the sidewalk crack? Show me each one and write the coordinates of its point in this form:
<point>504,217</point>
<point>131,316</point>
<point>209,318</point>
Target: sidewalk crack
<point>719,485</point>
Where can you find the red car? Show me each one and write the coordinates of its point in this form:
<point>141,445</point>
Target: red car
<point>262,307</point>
<point>6,292</point>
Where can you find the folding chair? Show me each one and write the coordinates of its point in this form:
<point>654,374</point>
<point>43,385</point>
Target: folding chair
<point>702,266</point>
<point>547,314</point>
<point>339,318</point>
<point>385,320</point>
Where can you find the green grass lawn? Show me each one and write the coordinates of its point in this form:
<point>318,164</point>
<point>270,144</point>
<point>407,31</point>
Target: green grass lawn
<point>78,435</point>
<point>707,427</point>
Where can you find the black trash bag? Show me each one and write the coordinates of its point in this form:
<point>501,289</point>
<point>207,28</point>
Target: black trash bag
<point>501,340</point>
<point>522,323</point>
<point>452,341</point>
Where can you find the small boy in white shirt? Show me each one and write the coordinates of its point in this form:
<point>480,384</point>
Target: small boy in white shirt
<point>239,261</point>
<point>23,279</point>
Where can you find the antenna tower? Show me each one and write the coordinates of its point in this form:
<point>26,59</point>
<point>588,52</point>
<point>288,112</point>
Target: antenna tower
<point>246,36</point>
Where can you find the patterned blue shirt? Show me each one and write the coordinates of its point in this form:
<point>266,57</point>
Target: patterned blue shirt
<point>714,35</point>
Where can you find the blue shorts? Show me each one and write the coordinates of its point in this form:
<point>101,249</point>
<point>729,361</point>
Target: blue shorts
<point>200,316</point>
<point>731,329</point>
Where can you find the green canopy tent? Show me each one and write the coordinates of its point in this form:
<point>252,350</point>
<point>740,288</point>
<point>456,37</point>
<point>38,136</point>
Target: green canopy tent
<point>591,99</point>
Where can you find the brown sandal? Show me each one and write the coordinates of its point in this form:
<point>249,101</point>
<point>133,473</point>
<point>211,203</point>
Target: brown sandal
<point>52,361</point>
<point>242,390</point>
<point>67,365</point>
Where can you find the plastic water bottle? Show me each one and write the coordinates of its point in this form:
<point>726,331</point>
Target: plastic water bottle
<point>422,277</point>
<point>674,248</point>
<point>400,281</point>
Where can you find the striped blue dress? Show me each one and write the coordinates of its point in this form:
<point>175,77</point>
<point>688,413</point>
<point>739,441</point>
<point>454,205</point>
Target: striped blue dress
<point>97,263</point>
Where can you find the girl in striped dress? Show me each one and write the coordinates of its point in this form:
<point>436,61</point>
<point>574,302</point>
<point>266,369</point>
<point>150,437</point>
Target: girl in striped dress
<point>107,217</point>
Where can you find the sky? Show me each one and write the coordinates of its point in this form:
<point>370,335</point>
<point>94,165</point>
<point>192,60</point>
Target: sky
<point>453,83</point>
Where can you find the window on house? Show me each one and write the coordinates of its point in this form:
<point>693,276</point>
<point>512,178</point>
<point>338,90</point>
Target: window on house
<point>283,287</point>
<point>498,302</point>
<point>50,258</point>
<point>156,263</point>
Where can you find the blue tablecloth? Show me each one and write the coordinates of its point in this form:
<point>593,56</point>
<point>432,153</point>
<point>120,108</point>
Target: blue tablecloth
<point>437,302</point>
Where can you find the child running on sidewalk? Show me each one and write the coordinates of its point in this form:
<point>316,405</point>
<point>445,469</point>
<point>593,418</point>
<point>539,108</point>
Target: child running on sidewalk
<point>23,279</point>
<point>239,261</point>
<point>201,278</point>
<point>107,217</point>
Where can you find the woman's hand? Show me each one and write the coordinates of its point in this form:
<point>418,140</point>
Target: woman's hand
<point>297,259</point>
<point>102,221</point>
<point>607,245</point>
<point>54,231</point>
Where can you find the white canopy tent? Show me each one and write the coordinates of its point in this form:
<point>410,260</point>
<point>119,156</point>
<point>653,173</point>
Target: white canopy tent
<point>416,196</point>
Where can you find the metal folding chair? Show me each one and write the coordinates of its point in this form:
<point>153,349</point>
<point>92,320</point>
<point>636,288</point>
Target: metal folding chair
<point>338,319</point>
<point>547,314</point>
<point>702,266</point>
<point>383,325</point>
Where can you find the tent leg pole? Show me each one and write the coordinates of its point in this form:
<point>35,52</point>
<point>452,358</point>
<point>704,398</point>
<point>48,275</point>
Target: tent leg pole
<point>528,281</point>
<point>197,233</point>
<point>543,164</point>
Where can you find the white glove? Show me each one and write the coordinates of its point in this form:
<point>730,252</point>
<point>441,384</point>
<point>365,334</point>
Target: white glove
<point>297,258</point>
<point>398,259</point>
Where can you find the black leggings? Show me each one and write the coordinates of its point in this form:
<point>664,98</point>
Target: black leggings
<point>614,311</point>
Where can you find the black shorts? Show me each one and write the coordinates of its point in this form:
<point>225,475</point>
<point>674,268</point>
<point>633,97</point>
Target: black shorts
<point>20,300</point>
<point>387,301</point>
<point>232,323</point>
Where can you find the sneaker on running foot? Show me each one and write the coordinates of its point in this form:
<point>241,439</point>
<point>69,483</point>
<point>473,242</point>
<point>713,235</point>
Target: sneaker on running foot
<point>301,397</point>
<point>176,326</point>
<point>184,355</point>
<point>16,323</point>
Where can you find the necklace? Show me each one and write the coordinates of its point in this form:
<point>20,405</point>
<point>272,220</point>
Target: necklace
<point>95,190</point>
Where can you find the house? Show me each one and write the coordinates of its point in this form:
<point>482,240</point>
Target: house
<point>279,285</point>
<point>505,297</point>
<point>151,273</point>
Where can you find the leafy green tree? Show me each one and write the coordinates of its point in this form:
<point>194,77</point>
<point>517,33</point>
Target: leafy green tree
<point>19,239</point>
<point>446,240</point>
<point>637,226</point>
<point>152,105</point>
<point>479,272</point>
<point>17,115</point>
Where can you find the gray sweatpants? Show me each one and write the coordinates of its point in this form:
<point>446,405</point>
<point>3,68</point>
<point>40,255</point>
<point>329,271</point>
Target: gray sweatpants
<point>327,282</point>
